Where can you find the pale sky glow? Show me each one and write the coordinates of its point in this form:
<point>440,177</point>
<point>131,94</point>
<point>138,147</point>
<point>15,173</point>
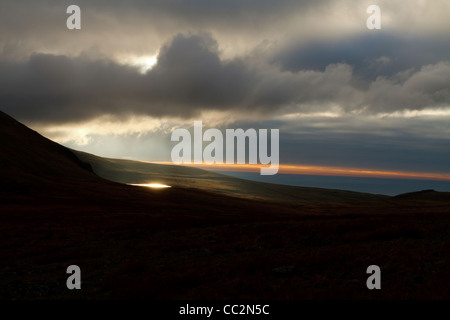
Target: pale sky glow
<point>444,112</point>
<point>80,132</point>
<point>293,116</point>
<point>143,63</point>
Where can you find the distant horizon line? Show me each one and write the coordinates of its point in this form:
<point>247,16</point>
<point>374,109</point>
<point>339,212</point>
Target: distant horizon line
<point>315,170</point>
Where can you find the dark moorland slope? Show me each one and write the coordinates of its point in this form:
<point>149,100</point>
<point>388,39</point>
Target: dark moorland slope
<point>128,171</point>
<point>133,242</point>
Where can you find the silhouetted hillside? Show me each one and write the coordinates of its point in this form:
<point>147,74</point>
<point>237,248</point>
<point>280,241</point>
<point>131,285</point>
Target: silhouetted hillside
<point>27,158</point>
<point>429,195</point>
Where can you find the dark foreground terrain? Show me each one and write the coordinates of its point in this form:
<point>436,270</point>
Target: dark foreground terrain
<point>128,248</point>
<point>181,243</point>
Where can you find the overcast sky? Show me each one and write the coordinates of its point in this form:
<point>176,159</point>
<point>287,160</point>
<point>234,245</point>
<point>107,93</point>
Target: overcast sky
<point>341,95</point>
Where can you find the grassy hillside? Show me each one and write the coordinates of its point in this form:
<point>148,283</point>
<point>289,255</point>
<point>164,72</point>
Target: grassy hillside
<point>127,171</point>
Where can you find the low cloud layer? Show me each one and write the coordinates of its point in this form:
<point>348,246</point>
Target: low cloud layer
<point>371,55</point>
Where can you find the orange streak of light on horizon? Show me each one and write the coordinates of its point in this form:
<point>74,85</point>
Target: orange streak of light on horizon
<point>320,171</point>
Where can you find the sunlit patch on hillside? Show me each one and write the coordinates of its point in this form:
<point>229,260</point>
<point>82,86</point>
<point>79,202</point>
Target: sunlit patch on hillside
<point>151,185</point>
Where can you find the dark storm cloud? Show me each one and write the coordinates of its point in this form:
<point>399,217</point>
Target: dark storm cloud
<point>50,88</point>
<point>371,55</point>
<point>190,77</point>
<point>189,72</point>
